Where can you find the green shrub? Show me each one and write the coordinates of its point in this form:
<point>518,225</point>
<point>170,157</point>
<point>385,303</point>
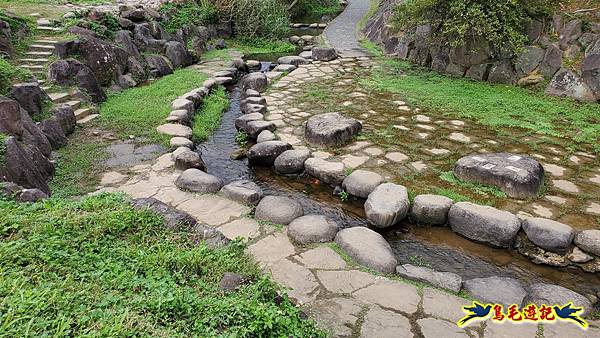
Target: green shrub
<point>259,18</point>
<point>314,7</point>
<point>10,74</point>
<point>199,12</point>
<point>500,23</point>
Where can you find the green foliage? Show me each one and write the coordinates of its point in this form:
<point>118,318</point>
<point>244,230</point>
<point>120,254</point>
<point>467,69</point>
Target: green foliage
<point>105,28</point>
<point>451,194</point>
<point>491,105</point>
<point>2,148</point>
<point>344,196</point>
<point>259,18</point>
<point>138,111</point>
<point>209,118</point>
<point>196,13</point>
<point>480,189</point>
<point>15,23</point>
<point>241,138</point>
<point>9,74</point>
<point>97,267</point>
<point>314,8</point>
<point>500,23</point>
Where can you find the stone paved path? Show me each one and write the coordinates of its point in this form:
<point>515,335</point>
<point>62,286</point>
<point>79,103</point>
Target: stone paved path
<point>342,32</point>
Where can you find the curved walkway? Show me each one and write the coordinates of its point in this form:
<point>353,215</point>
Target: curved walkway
<point>342,32</point>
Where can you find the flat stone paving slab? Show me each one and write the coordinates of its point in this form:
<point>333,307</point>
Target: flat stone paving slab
<point>391,295</point>
<point>380,323</point>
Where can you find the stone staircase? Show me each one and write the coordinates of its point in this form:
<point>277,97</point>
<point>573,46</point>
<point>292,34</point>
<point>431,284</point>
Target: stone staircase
<point>36,60</point>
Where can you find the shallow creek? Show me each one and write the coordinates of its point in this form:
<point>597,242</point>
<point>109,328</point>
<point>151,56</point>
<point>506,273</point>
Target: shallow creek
<point>435,247</point>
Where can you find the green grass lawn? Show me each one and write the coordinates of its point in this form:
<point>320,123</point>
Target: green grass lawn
<point>208,118</point>
<point>138,111</point>
<point>250,46</point>
<point>491,105</point>
<point>97,267</point>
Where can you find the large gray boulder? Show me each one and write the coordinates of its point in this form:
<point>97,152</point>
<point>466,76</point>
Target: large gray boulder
<point>565,83</point>
<point>591,72</point>
<point>361,183</point>
<point>331,173</point>
<point>368,248</point>
<point>548,234</point>
<point>278,210</point>
<point>25,165</point>
<point>251,108</point>
<point>501,290</point>
<point>431,209</point>
<point>331,129</point>
<point>311,229</point>
<point>53,132</point>
<point>387,205</point>
<point>254,128</point>
<point>518,176</point>
<point>158,66</point>
<point>30,96</point>
<point>65,116</point>
<point>243,191</point>
<point>255,81</point>
<point>266,135</point>
<point>484,223</point>
<point>589,240</point>
<point>291,161</point>
<point>265,153</point>
<point>446,280</point>
<point>542,293</point>
<point>198,181</point>
<point>189,159</point>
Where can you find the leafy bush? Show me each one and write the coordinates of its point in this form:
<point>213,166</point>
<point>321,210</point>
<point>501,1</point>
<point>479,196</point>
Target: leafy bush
<point>98,268</point>
<point>10,74</point>
<point>259,18</point>
<point>500,23</point>
<point>314,7</point>
<point>105,28</point>
<point>199,12</point>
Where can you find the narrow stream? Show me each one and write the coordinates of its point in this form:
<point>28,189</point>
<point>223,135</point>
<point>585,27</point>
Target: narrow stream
<point>435,247</point>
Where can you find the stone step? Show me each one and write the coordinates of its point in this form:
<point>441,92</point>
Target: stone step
<point>42,47</point>
<point>34,54</point>
<point>32,67</point>
<point>49,29</point>
<point>82,113</point>
<point>48,41</point>
<point>45,88</point>
<point>87,119</point>
<point>30,60</point>
<point>43,22</point>
<point>59,97</point>
<point>75,104</point>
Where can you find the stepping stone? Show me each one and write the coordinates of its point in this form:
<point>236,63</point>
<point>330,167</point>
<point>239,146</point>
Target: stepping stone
<point>387,205</point>
<point>565,186</point>
<point>548,234</point>
<point>501,290</point>
<point>278,210</point>
<point>484,223</point>
<point>589,241</point>
<point>38,54</point>
<point>431,209</point>
<point>292,60</point>
<point>254,128</point>
<point>311,229</point>
<point>241,123</point>
<point>459,137</point>
<point>291,161</point>
<point>517,175</point>
<point>383,323</point>
<point>331,129</point>
<point>554,169</point>
<point>396,157</point>
<point>593,208</point>
<point>332,173</point>
<point>173,129</point>
<point>324,54</point>
<point>368,248</point>
<point>553,294</point>
<point>189,159</point>
<point>243,191</point>
<point>177,142</point>
<point>435,328</point>
<point>87,119</point>
<point>419,166</point>
<point>445,280</point>
<point>272,248</point>
<point>352,161</point>
<point>183,104</point>
<point>265,153</point>
<point>373,151</point>
<point>361,183</point>
<point>265,135</point>
<point>198,181</point>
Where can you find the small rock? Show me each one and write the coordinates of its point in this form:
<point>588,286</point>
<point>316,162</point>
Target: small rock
<point>278,210</point>
<point>368,248</point>
<point>177,142</point>
<point>31,195</point>
<point>361,183</point>
<point>198,181</point>
<point>387,205</point>
<point>292,60</point>
<point>589,241</point>
<point>243,191</point>
<point>291,161</point>
<point>311,229</point>
<point>231,282</point>
<point>431,209</point>
<point>189,159</point>
<point>548,234</point>
<point>323,54</point>
<point>445,280</point>
<point>502,290</point>
<point>579,256</point>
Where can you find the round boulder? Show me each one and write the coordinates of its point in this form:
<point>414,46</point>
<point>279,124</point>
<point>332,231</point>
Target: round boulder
<point>589,240</point>
<point>387,205</point>
<point>278,210</point>
<point>292,60</point>
<point>255,81</point>
<point>189,159</point>
<point>431,209</point>
<point>324,54</point>
<point>368,248</point>
<point>548,234</point>
<point>198,181</point>
<point>331,173</point>
<point>265,135</point>
<point>361,183</point>
<point>291,161</point>
<point>312,229</point>
<point>553,294</point>
<point>265,153</point>
<point>331,129</point>
<point>177,142</point>
<point>243,191</point>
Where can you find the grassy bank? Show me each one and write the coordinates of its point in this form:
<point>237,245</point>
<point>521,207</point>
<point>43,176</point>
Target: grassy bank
<point>248,46</point>
<point>99,268</point>
<point>489,104</point>
<point>209,117</point>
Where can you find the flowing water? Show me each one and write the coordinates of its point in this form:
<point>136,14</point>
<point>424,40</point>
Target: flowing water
<point>436,247</point>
